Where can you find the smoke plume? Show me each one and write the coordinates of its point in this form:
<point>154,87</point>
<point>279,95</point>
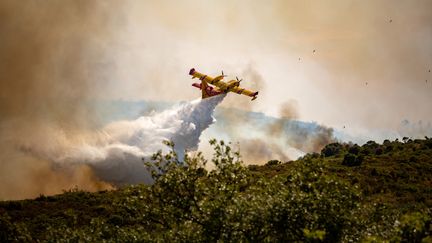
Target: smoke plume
<point>417,129</point>
<point>53,63</point>
<point>264,138</point>
<point>298,135</point>
<point>117,152</point>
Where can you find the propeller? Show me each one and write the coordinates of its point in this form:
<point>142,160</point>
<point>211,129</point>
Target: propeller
<point>239,80</point>
<point>223,75</point>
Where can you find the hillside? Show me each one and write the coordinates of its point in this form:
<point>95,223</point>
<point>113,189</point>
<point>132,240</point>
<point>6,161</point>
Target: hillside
<point>396,173</point>
<point>372,192</point>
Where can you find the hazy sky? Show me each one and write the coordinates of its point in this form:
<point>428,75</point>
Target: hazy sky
<point>363,64</point>
<point>359,64</point>
<point>368,71</point>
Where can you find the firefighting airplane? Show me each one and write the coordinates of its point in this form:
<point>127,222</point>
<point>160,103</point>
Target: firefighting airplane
<point>220,86</point>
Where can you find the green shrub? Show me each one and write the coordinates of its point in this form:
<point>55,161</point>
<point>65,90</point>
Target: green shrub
<point>273,162</point>
<point>352,160</point>
<point>12,232</point>
<point>414,227</point>
<point>331,149</point>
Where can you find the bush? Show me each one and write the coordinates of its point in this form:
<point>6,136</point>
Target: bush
<point>355,149</point>
<point>331,149</point>
<point>273,162</point>
<point>370,148</point>
<point>378,151</point>
<point>115,219</point>
<point>352,160</point>
<point>12,232</point>
<point>227,204</point>
<point>414,227</point>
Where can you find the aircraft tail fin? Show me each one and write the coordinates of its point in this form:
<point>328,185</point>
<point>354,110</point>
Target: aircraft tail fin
<point>204,89</point>
<point>191,72</point>
<point>254,95</point>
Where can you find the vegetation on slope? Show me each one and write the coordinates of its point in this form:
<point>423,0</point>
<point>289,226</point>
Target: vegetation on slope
<point>346,193</point>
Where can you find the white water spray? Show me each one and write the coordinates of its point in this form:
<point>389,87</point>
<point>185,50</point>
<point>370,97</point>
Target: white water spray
<point>118,156</point>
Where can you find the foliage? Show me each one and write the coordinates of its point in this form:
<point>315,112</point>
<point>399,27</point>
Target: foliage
<point>369,193</point>
<point>331,149</point>
<point>273,162</point>
<point>12,232</point>
<point>414,227</point>
<point>352,159</point>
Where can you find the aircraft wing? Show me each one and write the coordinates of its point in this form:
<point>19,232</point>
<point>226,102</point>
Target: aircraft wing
<point>243,91</point>
<point>233,86</point>
<point>201,76</point>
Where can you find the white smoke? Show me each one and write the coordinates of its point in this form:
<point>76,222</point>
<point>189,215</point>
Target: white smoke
<point>118,154</point>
